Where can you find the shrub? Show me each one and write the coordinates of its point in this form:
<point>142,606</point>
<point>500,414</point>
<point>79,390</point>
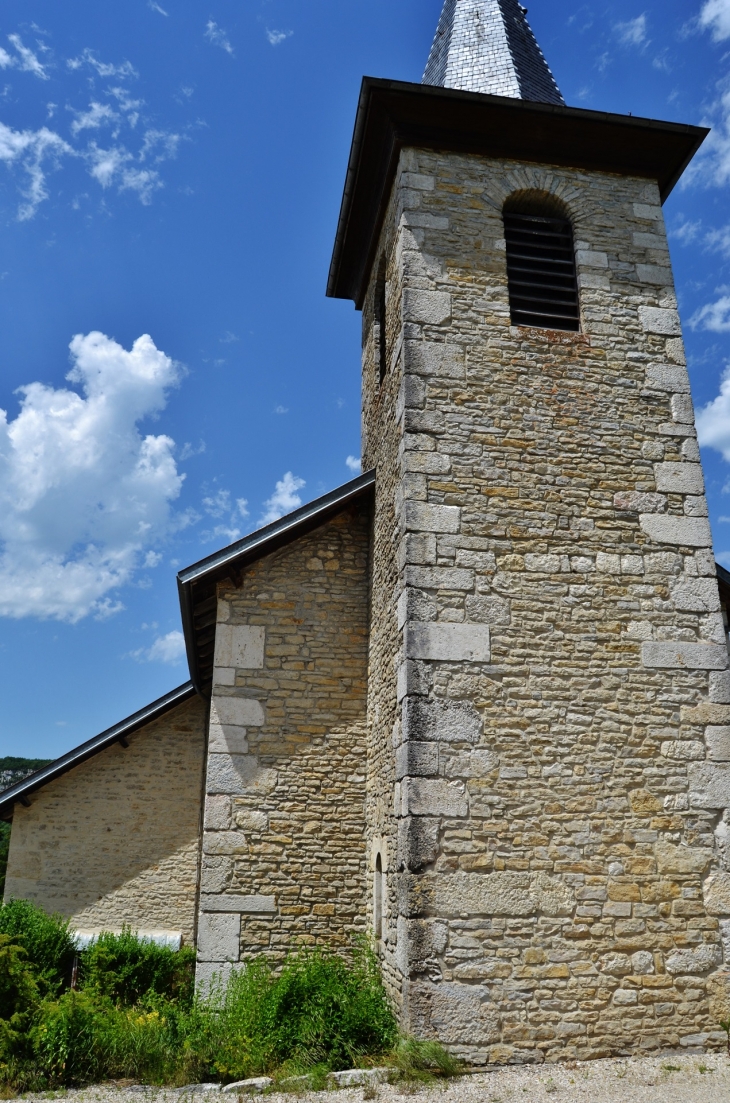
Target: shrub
<point>319,1011</point>
<point>46,940</point>
<point>127,969</point>
<point>18,994</point>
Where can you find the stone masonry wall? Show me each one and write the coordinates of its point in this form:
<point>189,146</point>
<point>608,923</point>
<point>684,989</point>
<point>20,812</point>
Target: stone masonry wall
<point>284,859</point>
<point>550,712</point>
<point>116,840</point>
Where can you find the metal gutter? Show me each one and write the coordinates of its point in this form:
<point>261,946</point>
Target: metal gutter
<point>22,790</point>
<point>233,558</point>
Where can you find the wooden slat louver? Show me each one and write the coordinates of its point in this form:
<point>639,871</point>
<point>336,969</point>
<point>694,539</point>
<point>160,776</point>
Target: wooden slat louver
<point>543,289</point>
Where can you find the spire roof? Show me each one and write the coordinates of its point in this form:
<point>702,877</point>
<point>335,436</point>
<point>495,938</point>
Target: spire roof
<point>488,46</point>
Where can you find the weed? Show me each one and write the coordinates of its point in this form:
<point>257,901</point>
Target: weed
<point>369,1092</point>
<point>704,1068</point>
<point>672,1068</point>
<point>418,1060</point>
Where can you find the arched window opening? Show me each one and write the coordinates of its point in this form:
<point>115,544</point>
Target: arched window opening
<point>378,898</point>
<point>543,288</point>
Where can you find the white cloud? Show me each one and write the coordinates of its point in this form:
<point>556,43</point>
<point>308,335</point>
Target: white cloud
<point>719,240</point>
<point>277,37</point>
<point>284,499</point>
<point>219,505</point>
<point>713,316</point>
<point>217,36</point>
<point>281,409</point>
<point>32,150</point>
<point>83,494</point>
<point>713,420</point>
<point>104,69</point>
<point>98,114</point>
<point>156,7</point>
<point>168,649</point>
<point>632,33</point>
<point>24,60</point>
<point>355,464</point>
<point>686,231</point>
<point>715,17</point>
<point>711,166</point>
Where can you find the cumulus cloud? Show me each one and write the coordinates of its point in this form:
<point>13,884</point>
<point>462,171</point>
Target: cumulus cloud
<point>284,499</point>
<point>355,464</point>
<point>24,59</point>
<point>277,37</point>
<point>713,316</point>
<point>168,649</point>
<point>715,17</point>
<point>711,166</point>
<point>219,506</point>
<point>632,33</point>
<point>713,420</point>
<point>84,495</point>
<point>97,115</point>
<point>217,36</point>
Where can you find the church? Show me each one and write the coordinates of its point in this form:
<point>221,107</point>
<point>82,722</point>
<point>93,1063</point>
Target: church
<point>475,702</point>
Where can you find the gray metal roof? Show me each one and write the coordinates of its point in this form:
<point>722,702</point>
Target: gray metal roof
<point>22,790</point>
<point>488,46</point>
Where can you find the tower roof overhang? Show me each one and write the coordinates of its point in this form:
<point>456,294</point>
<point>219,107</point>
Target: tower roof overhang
<point>392,115</point>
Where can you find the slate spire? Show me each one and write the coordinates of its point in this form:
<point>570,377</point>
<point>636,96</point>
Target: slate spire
<point>488,46</point>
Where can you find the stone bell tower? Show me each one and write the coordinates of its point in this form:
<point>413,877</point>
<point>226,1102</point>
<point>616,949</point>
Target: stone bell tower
<point>549,705</point>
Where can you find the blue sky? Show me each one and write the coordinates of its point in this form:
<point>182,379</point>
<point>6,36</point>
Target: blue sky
<point>171,371</point>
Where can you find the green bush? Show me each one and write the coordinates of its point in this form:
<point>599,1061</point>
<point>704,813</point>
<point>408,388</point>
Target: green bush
<point>45,938</point>
<point>18,995</point>
<point>318,1011</point>
<point>128,970</point>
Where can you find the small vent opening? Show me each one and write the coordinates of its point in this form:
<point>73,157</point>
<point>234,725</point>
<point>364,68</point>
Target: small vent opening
<point>543,290</point>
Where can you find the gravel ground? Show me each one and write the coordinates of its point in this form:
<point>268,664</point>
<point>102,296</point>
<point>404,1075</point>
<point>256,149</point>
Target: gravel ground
<point>671,1078</point>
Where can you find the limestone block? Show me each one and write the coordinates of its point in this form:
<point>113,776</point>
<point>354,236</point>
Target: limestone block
<point>648,211</point>
<point>488,609</point>
<point>462,1013</point>
<point>709,785</point>
<point>672,859</point>
<point>655,319</point>
<point>222,843</point>
<point>717,739</point>
<point>240,645</point>
<point>416,760</point>
<point>440,578</point>
<point>230,902</point>
<point>692,532</point>
<point>448,642</point>
<point>217,813</point>
<point>719,688</point>
<point>618,965</point>
<point>718,990</point>
<point>434,797</point>
<point>503,893</point>
<point>437,359</point>
<point>658,274</point>
<point>227,740</point>
<point>592,258</point>
<point>419,942</point>
<point>608,563</point>
<point>544,564</point>
<point>418,842</point>
<point>632,564</point>
<point>224,676</point>
<point>249,819</point>
<point>642,963</point>
<point>211,976</point>
<point>700,960</point>
<point>634,501</point>
<point>667,377</point>
<point>428,463</point>
<point>413,678</point>
<point>240,712</point>
<point>230,774</point>
<point>696,595</point>
<point>682,409</point>
<point>215,873</point>
<point>687,656</point>
<point>426,307</point>
<point>443,721</point>
<point>423,517</point>
<point>716,892</point>
<point>219,937</point>
<point>470,764</point>
<point>418,180</point>
<point>679,478</point>
<point>683,750</point>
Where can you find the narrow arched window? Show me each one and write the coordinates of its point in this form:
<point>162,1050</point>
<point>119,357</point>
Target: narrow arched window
<point>378,898</point>
<point>543,289</point>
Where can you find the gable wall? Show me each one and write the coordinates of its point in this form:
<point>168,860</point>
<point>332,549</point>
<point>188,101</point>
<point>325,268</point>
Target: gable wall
<point>116,839</point>
<point>284,857</point>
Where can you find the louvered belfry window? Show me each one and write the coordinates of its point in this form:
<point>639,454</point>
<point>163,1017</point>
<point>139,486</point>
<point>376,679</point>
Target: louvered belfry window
<point>543,290</point>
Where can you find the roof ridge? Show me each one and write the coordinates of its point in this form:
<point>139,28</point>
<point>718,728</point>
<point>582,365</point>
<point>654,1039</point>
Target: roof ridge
<point>488,46</point>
